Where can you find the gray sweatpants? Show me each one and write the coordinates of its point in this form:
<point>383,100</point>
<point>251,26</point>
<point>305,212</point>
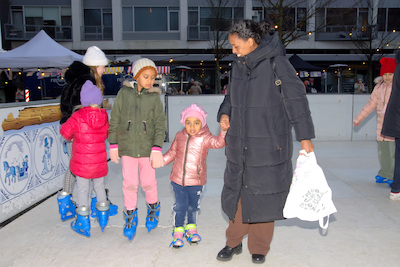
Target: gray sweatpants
<point>83,184</point>
<point>69,178</point>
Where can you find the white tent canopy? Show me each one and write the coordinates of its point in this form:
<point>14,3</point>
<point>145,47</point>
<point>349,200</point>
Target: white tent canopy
<point>39,52</point>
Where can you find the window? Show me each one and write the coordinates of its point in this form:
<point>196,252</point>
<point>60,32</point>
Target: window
<point>98,24</point>
<point>363,17</point>
<point>301,16</point>
<point>127,19</point>
<point>214,17</point>
<point>388,19</point>
<point>193,16</point>
<point>173,18</point>
<point>382,19</point>
<point>293,18</point>
<point>66,17</point>
<point>393,22</point>
<point>257,15</point>
<point>341,17</point>
<point>150,19</point>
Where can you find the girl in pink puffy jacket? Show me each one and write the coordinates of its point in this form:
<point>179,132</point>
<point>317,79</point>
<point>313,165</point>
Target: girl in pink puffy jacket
<point>379,100</point>
<point>189,172</point>
<point>88,130</point>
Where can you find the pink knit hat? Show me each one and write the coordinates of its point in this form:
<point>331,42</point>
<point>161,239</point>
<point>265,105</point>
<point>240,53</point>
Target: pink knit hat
<point>194,111</point>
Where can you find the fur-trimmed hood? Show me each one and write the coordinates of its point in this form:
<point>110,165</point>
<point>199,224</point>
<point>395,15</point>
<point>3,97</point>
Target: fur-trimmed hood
<point>131,84</point>
<point>378,80</point>
<point>76,75</point>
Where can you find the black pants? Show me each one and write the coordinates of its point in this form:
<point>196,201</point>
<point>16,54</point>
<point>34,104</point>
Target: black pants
<point>396,175</point>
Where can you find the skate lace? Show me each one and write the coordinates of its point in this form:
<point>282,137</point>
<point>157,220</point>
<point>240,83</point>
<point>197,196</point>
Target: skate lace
<point>178,235</point>
<point>192,232</point>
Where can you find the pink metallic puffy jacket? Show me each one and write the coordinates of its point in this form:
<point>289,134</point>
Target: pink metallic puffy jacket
<point>189,154</point>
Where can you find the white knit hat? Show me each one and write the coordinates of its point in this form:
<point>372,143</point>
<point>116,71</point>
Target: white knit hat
<point>140,64</point>
<point>95,57</point>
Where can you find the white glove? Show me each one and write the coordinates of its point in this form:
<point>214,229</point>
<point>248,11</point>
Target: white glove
<point>156,159</point>
<point>114,155</point>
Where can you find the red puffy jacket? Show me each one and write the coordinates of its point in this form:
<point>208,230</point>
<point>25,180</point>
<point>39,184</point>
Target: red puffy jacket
<point>88,128</point>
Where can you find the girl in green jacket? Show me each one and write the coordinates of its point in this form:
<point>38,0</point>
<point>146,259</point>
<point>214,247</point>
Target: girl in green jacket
<point>136,135</point>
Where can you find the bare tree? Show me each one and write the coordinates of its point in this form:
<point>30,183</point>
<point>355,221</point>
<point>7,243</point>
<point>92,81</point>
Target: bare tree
<point>373,41</point>
<point>222,12</point>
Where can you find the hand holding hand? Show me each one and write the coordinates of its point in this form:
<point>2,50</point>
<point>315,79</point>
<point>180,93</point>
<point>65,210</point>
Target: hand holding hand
<point>156,159</point>
<point>224,122</point>
<point>114,155</point>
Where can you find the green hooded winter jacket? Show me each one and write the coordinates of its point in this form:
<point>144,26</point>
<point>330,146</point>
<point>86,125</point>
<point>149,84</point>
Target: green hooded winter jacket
<point>138,121</point>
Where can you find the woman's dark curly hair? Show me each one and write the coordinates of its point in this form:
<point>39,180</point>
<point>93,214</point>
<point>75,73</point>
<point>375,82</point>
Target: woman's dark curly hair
<point>246,29</point>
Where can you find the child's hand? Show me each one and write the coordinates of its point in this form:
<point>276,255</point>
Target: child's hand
<point>114,155</point>
<point>224,122</point>
<point>156,159</point>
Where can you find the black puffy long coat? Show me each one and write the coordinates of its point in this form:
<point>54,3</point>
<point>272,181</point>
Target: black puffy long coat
<point>391,122</point>
<point>259,144</point>
<point>75,76</point>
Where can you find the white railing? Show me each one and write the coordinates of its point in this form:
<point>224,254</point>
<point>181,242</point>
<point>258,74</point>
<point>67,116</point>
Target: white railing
<point>34,157</point>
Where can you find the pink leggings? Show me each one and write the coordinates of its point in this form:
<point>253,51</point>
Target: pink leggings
<point>131,167</point>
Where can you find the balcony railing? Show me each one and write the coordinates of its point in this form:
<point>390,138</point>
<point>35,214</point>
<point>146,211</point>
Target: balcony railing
<point>346,32</point>
<point>25,32</point>
<point>199,33</point>
<point>95,33</point>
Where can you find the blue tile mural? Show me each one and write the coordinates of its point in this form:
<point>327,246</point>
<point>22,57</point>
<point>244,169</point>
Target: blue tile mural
<point>34,160</point>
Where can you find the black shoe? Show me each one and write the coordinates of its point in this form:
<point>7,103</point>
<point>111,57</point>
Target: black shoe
<point>258,258</point>
<point>227,252</point>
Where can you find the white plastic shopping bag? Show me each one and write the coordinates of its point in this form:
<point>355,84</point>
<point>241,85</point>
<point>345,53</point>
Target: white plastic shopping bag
<point>310,197</point>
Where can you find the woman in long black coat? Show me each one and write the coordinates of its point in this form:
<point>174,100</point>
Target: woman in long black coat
<point>391,127</point>
<point>259,143</point>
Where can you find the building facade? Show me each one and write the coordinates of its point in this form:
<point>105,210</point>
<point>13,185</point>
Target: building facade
<point>332,34</point>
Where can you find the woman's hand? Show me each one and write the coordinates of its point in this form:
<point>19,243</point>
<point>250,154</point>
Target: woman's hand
<point>224,122</point>
<point>307,145</point>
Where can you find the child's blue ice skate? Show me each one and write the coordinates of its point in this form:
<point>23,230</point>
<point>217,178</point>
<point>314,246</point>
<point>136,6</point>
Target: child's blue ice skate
<point>131,221</point>
<point>380,180</point>
<point>93,210</point>
<point>153,211</point>
<point>66,206</point>
<point>103,209</point>
<point>82,223</point>
<point>113,208</point>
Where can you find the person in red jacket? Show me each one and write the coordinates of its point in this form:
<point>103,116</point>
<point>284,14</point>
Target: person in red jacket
<point>88,130</point>
<point>189,152</point>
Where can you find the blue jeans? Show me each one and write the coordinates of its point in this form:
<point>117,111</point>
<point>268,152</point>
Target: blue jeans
<point>187,201</point>
<point>396,176</point>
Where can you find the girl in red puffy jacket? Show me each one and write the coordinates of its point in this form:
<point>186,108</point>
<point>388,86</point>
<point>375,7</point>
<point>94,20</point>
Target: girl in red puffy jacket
<point>88,130</point>
<point>189,152</point>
